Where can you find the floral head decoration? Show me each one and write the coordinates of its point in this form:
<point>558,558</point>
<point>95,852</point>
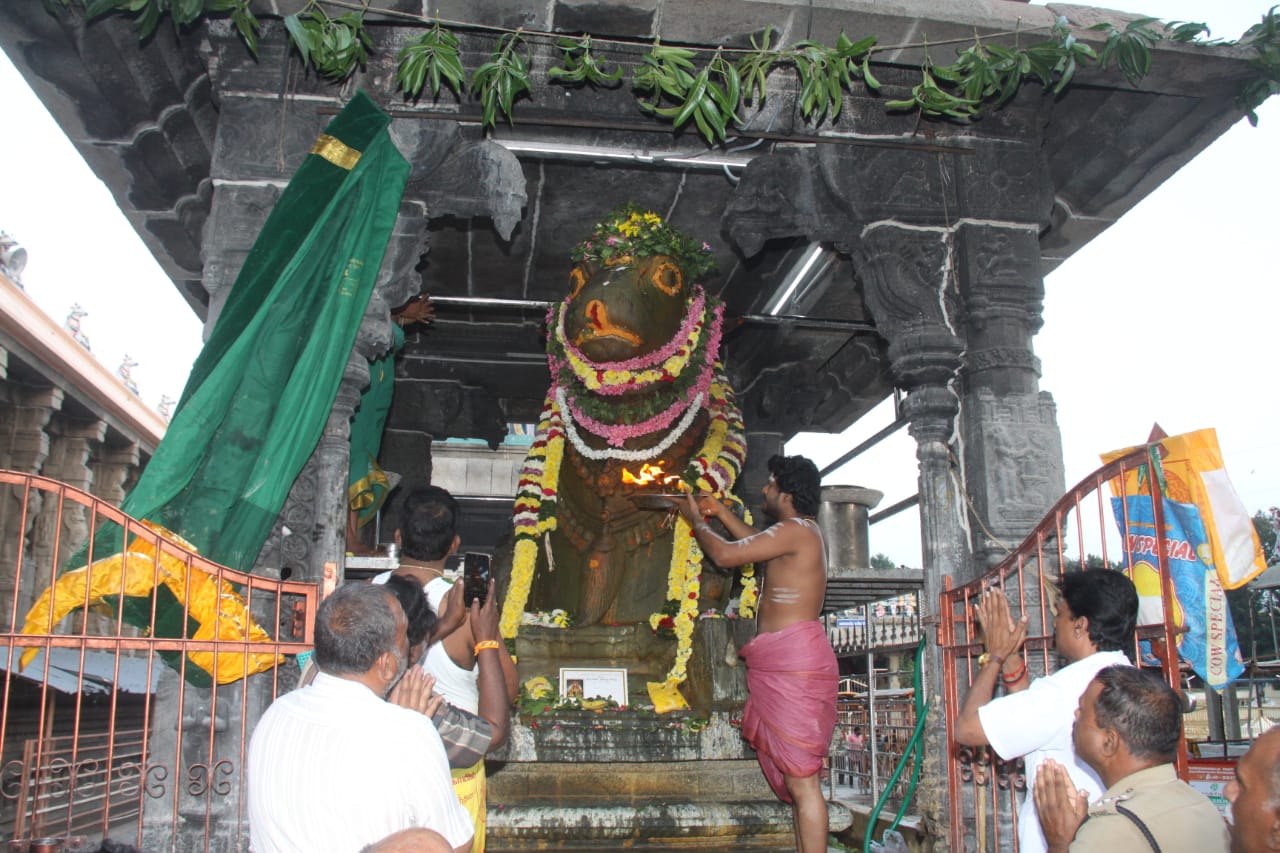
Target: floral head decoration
<point>632,232</point>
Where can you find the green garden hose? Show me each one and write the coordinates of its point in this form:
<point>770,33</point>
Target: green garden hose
<point>914,746</point>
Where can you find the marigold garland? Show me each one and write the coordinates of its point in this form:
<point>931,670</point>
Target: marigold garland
<point>620,377</point>
<point>534,512</point>
<point>714,469</point>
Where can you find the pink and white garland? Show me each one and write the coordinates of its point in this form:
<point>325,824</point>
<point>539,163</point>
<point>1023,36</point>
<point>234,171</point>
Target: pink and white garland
<point>613,378</point>
<point>618,377</point>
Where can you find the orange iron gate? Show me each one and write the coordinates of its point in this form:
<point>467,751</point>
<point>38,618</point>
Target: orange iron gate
<point>1078,534</point>
<point>129,674</point>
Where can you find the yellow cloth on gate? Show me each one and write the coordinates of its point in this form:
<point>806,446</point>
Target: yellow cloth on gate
<point>210,601</point>
<point>469,785</point>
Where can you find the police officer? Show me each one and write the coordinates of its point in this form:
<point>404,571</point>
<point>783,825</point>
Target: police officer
<point>1127,729</point>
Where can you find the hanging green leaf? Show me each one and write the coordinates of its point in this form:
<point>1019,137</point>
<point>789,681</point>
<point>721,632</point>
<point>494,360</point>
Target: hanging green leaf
<point>298,36</point>
<point>707,97</point>
<point>1130,47</point>
<point>669,84</point>
<point>1264,39</point>
<point>246,23</point>
<point>1185,31</point>
<point>754,67</point>
<point>502,79</point>
<point>581,65</point>
<point>431,58</point>
<point>866,73</point>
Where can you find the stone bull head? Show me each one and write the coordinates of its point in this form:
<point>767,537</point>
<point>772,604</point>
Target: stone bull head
<point>608,558</point>
<point>625,308</point>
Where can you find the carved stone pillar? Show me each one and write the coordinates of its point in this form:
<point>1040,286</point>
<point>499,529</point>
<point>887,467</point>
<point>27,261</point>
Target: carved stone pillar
<point>262,137</point>
<point>23,418</point>
<point>1013,450</point>
<point>114,469</point>
<point>63,526</point>
<point>907,275</point>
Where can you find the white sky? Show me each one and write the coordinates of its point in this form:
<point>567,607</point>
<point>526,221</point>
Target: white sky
<point>81,249</point>
<point>1168,316</point>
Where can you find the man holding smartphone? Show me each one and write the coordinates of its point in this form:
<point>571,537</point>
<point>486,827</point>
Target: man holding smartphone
<point>479,677</point>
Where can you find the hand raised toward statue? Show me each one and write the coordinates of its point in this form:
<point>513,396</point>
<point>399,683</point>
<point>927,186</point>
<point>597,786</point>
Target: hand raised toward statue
<point>1002,636</point>
<point>697,509</point>
<point>416,691</point>
<point>689,509</point>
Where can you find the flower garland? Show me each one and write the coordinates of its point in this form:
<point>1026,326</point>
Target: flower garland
<point>714,469</point>
<point>535,512</point>
<point>684,584</point>
<point>582,387</point>
<point>620,377</point>
<point>682,377</point>
<point>632,230</point>
<point>617,435</point>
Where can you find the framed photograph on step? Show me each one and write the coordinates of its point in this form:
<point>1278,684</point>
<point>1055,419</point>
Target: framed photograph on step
<point>594,684</point>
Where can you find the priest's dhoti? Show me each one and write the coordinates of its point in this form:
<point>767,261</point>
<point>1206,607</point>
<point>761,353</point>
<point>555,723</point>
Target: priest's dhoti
<point>792,679</point>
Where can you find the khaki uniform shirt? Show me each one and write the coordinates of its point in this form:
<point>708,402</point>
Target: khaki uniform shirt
<point>1180,818</point>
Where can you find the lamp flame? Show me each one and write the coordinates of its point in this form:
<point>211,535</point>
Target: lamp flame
<point>650,475</point>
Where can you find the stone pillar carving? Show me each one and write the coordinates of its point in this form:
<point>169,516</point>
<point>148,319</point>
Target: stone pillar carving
<point>114,469</point>
<point>1013,450</point>
<point>906,271</point>
<point>25,447</point>
<point>63,526</point>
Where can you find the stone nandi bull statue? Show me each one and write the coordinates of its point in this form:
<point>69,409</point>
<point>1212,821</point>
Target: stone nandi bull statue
<point>636,379</point>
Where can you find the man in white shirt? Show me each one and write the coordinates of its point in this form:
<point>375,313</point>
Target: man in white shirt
<point>1095,617</point>
<point>334,767</point>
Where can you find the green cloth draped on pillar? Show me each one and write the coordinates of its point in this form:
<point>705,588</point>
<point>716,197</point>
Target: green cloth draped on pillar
<point>261,391</point>
<point>367,484</point>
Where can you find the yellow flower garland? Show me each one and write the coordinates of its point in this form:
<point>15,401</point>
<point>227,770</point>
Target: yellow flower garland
<point>725,445</point>
<point>534,518</point>
<point>594,379</point>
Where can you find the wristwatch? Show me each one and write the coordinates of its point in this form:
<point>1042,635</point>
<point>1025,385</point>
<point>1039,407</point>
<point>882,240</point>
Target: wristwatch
<point>985,657</point>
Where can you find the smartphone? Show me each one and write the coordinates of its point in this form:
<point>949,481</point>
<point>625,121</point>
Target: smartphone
<point>475,577</point>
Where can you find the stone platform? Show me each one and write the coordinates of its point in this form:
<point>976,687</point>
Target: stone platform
<point>600,800</point>
<point>582,781</point>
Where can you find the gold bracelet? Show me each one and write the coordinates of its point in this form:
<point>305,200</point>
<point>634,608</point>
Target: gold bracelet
<point>486,644</point>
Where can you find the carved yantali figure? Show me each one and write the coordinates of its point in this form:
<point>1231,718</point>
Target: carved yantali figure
<point>636,380</point>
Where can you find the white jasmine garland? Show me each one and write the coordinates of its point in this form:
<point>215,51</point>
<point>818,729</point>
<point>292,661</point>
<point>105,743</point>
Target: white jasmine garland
<point>644,454</point>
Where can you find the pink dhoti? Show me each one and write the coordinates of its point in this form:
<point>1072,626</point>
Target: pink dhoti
<point>792,681</point>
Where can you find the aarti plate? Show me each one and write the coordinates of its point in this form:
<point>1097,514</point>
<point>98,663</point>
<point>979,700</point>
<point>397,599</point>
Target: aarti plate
<point>657,500</point>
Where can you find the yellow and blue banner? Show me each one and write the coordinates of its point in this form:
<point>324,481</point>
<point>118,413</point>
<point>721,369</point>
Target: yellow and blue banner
<point>1208,540</point>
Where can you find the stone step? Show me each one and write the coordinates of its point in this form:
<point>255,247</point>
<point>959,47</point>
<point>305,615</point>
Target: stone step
<point>619,783</point>
<point>753,825</point>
